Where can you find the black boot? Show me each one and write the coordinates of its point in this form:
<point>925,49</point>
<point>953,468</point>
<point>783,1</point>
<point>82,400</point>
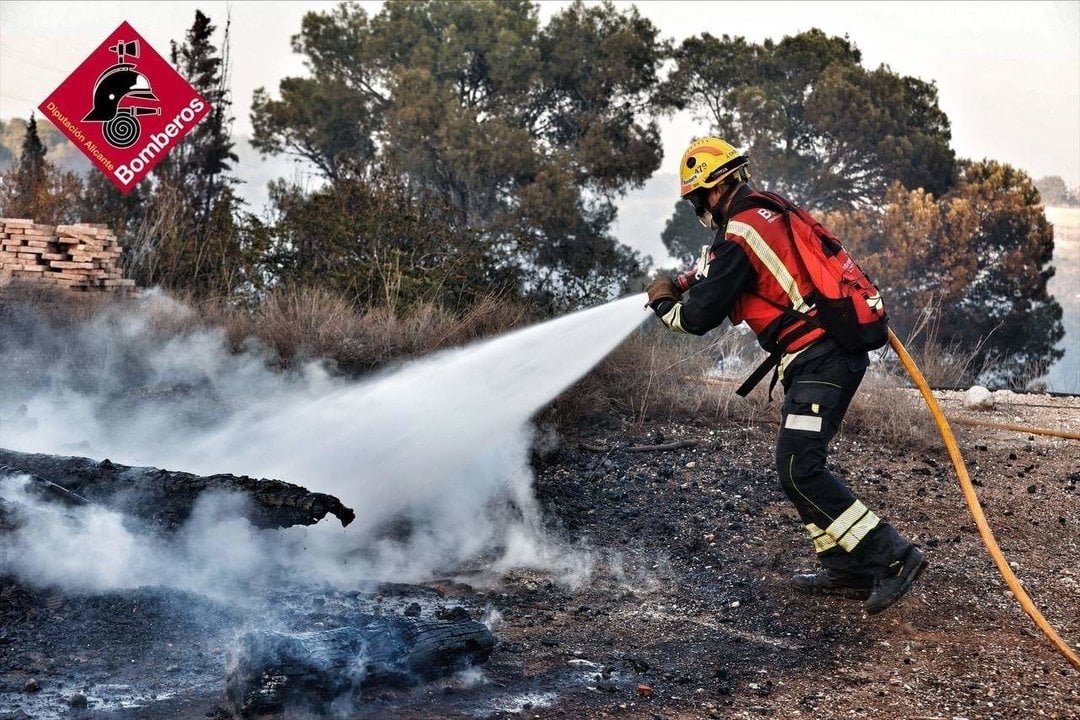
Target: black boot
<point>890,589</point>
<point>831,582</point>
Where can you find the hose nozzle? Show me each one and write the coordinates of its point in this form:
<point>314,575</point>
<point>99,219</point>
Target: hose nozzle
<point>696,274</point>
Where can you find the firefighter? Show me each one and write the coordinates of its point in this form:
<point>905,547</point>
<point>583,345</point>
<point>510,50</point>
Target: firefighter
<point>750,276</point>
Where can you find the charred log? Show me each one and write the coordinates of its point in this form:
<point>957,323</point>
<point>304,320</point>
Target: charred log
<point>271,670</point>
<point>166,498</point>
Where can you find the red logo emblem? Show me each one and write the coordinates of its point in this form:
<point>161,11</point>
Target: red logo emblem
<point>125,107</point>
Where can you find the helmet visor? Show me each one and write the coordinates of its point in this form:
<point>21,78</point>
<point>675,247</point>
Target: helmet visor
<point>699,199</point>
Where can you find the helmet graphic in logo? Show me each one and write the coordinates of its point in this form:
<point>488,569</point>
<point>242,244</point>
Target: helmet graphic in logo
<point>117,83</point>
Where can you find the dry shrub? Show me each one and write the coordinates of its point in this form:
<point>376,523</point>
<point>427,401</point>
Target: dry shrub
<point>886,411</point>
<point>305,324</point>
<point>492,315</point>
<point>944,364</point>
<point>655,375</point>
<point>60,306</point>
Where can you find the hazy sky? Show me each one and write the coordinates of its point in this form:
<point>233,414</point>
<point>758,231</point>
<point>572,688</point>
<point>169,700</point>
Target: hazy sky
<point>1007,73</point>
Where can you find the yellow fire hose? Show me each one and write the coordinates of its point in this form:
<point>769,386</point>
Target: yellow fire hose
<point>976,509</point>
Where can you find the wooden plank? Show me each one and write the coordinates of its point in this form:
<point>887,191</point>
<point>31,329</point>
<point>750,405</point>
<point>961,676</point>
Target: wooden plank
<point>69,275</point>
<point>71,265</point>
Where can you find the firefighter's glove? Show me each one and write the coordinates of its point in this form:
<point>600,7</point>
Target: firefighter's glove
<point>660,289</point>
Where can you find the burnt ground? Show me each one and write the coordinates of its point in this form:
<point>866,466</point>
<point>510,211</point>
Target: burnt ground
<point>687,613</point>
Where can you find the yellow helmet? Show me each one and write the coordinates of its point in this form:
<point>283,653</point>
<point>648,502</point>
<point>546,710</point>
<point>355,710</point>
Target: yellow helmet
<point>708,162</point>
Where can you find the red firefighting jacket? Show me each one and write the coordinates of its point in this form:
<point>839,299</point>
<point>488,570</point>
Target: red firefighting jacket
<point>753,274</point>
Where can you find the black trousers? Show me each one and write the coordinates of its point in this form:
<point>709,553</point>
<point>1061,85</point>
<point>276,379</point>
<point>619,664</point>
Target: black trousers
<point>848,537</point>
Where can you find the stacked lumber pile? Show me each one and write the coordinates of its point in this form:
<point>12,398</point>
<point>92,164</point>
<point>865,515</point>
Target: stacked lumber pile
<point>81,257</point>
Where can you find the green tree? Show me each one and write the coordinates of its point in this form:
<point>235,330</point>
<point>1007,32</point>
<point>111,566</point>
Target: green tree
<point>332,117</point>
<point>35,188</point>
<point>370,241</point>
<point>188,235</point>
<point>979,257</point>
<point>1007,299</point>
<point>683,235</point>
<point>202,161</point>
<point>818,126</point>
<point>527,135</point>
<point>33,170</point>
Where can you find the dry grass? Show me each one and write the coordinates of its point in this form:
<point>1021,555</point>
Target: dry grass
<point>654,376</point>
<point>886,411</point>
<point>943,363</point>
<point>657,376</point>
<point>296,325</point>
<point>59,305</point>
<point>641,379</point>
<point>307,324</point>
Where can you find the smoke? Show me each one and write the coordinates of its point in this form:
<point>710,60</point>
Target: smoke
<point>93,548</point>
<point>432,455</point>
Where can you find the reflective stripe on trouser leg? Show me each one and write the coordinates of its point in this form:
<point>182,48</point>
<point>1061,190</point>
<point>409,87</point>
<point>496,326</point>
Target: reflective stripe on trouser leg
<point>822,541</point>
<point>847,531</point>
<point>852,525</point>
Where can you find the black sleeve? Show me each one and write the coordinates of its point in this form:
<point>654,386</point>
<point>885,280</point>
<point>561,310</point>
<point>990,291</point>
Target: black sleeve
<point>708,303</point>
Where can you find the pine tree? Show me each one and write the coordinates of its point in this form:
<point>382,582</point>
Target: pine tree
<point>33,172</point>
<point>189,237</point>
<point>37,189</point>
<point>206,155</point>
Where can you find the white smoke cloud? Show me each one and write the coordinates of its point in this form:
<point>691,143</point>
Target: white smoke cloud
<point>93,548</point>
<point>442,443</point>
